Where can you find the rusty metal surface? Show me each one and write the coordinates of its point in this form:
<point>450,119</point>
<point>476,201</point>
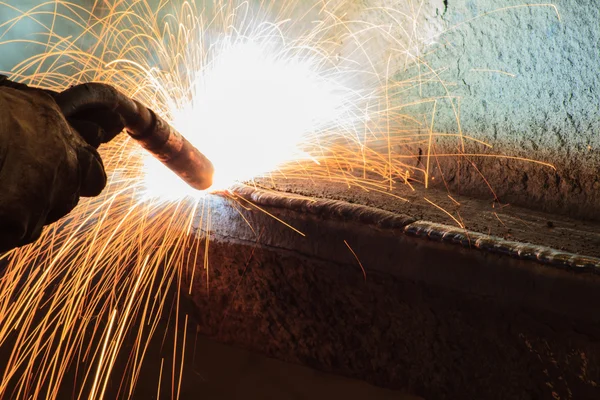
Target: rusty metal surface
<point>433,313</point>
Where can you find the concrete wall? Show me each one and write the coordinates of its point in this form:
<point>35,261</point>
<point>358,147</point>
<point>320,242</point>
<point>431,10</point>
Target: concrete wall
<point>526,81</point>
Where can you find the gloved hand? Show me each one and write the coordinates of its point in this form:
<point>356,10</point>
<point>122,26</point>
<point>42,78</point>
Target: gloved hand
<point>46,161</point>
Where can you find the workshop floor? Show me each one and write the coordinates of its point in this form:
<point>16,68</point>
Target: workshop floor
<point>217,371</point>
<point>225,372</point>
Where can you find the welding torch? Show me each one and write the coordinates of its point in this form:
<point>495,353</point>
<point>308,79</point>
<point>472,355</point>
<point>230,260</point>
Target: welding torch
<point>143,125</point>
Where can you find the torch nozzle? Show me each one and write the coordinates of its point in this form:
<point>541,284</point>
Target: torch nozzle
<point>143,125</point>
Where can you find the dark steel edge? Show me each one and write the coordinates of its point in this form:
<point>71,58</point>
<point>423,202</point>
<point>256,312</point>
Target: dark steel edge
<point>382,219</point>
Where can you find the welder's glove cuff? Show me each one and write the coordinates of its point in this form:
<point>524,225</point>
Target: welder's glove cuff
<point>5,82</point>
<point>45,164</point>
<point>96,126</point>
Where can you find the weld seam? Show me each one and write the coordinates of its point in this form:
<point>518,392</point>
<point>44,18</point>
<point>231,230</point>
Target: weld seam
<point>383,219</point>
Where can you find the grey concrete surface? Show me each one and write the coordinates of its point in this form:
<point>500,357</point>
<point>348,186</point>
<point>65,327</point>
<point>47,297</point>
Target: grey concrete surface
<point>524,79</point>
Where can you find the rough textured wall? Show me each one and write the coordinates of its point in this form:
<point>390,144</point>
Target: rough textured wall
<point>549,110</point>
<point>523,80</point>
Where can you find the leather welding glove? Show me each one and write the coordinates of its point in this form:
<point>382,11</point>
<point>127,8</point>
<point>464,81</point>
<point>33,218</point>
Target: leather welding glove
<point>46,162</point>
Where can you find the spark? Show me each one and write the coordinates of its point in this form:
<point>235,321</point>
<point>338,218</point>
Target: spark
<point>498,218</point>
<point>454,200</point>
<point>357,260</point>
<point>460,224</point>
